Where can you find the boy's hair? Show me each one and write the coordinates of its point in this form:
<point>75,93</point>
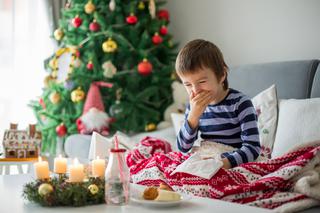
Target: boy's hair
<point>200,54</point>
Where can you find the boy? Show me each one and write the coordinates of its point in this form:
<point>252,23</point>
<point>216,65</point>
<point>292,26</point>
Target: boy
<point>220,113</point>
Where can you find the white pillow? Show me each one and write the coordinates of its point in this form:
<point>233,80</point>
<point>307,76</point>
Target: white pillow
<point>265,104</point>
<point>298,123</point>
<point>177,120</point>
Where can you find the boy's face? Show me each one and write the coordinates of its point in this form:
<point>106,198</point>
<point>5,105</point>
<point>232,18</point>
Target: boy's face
<point>202,80</point>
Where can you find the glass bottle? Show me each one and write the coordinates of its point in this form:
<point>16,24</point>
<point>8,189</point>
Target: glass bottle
<point>117,179</point>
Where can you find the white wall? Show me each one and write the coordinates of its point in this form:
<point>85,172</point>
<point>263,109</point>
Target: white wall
<point>250,31</point>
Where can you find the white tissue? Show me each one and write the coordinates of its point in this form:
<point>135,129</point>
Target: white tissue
<point>195,165</point>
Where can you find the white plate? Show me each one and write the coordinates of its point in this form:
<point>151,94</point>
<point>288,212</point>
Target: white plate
<point>154,203</point>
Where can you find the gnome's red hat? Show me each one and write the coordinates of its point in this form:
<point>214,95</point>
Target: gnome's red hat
<point>94,99</point>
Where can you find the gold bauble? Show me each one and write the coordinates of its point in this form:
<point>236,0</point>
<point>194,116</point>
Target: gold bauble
<point>54,97</point>
<point>89,7</point>
<point>54,74</point>
<point>94,189</point>
<point>173,75</point>
<point>141,5</point>
<point>58,34</point>
<point>109,46</point>
<point>150,127</point>
<point>77,95</point>
<point>45,189</point>
<point>47,80</point>
<point>53,63</point>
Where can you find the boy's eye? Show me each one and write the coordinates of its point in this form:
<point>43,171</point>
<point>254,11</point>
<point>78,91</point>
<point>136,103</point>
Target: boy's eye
<point>202,82</point>
<point>187,85</point>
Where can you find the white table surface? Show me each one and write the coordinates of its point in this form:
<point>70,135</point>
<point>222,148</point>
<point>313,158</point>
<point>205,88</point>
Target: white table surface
<point>11,201</point>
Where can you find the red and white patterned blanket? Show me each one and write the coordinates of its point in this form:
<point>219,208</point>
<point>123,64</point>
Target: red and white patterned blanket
<point>288,183</point>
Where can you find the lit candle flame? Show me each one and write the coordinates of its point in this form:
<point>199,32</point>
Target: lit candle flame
<point>39,159</point>
<point>75,161</point>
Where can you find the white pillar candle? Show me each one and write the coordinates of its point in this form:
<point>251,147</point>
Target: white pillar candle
<point>98,167</point>
<point>76,171</point>
<point>41,169</point>
<point>60,165</point>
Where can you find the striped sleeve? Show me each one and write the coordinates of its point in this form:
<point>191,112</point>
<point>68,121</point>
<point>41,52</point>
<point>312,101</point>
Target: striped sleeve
<point>250,149</point>
<point>186,136</point>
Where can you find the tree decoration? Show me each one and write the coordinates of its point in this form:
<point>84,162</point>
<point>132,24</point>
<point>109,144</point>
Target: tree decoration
<point>76,21</point>
<point>94,116</point>
<point>109,46</point>
<point>141,5</point>
<point>90,65</point>
<point>116,109</point>
<point>55,97</point>
<point>47,80</point>
<point>109,70</point>
<point>157,39</point>
<point>163,30</point>
<point>41,102</point>
<point>150,127</point>
<point>77,95</point>
<point>112,5</point>
<point>145,67</point>
<point>53,63</point>
<point>93,188</point>
<point>61,130</point>
<point>67,5</point>
<point>163,15</point>
<point>132,19</point>
<point>45,189</point>
<point>58,34</point>
<point>89,7</point>
<point>74,50</point>
<point>94,26</point>
<point>152,9</point>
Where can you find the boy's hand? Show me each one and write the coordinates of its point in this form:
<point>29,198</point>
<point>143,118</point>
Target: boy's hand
<point>198,104</point>
<point>226,163</point>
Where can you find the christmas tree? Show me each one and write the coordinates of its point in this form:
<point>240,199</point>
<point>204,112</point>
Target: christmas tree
<point>122,42</point>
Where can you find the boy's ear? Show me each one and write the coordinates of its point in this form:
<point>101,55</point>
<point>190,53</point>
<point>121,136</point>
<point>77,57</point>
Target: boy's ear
<point>225,70</point>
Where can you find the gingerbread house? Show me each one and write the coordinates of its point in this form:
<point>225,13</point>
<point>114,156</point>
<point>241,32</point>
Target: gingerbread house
<point>21,143</point>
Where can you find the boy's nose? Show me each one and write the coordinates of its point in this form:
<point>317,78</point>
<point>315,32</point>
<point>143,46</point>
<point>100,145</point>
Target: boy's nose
<point>196,89</point>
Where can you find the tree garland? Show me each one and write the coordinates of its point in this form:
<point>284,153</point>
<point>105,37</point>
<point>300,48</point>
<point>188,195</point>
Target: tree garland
<point>54,62</point>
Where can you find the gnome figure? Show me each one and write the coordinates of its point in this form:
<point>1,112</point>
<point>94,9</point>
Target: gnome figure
<point>94,118</point>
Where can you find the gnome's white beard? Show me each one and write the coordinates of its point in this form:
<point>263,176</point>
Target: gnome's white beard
<point>95,119</point>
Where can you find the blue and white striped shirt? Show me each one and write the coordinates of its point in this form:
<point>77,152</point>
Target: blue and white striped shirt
<point>233,121</point>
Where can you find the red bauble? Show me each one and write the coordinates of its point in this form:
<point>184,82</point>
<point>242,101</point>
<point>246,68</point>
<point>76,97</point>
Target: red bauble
<point>145,67</point>
<point>61,130</point>
<point>94,26</point>
<point>156,39</point>
<point>77,21</point>
<point>78,53</point>
<point>132,19</point>
<point>41,102</point>
<point>163,14</point>
<point>90,65</point>
<point>163,30</point>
